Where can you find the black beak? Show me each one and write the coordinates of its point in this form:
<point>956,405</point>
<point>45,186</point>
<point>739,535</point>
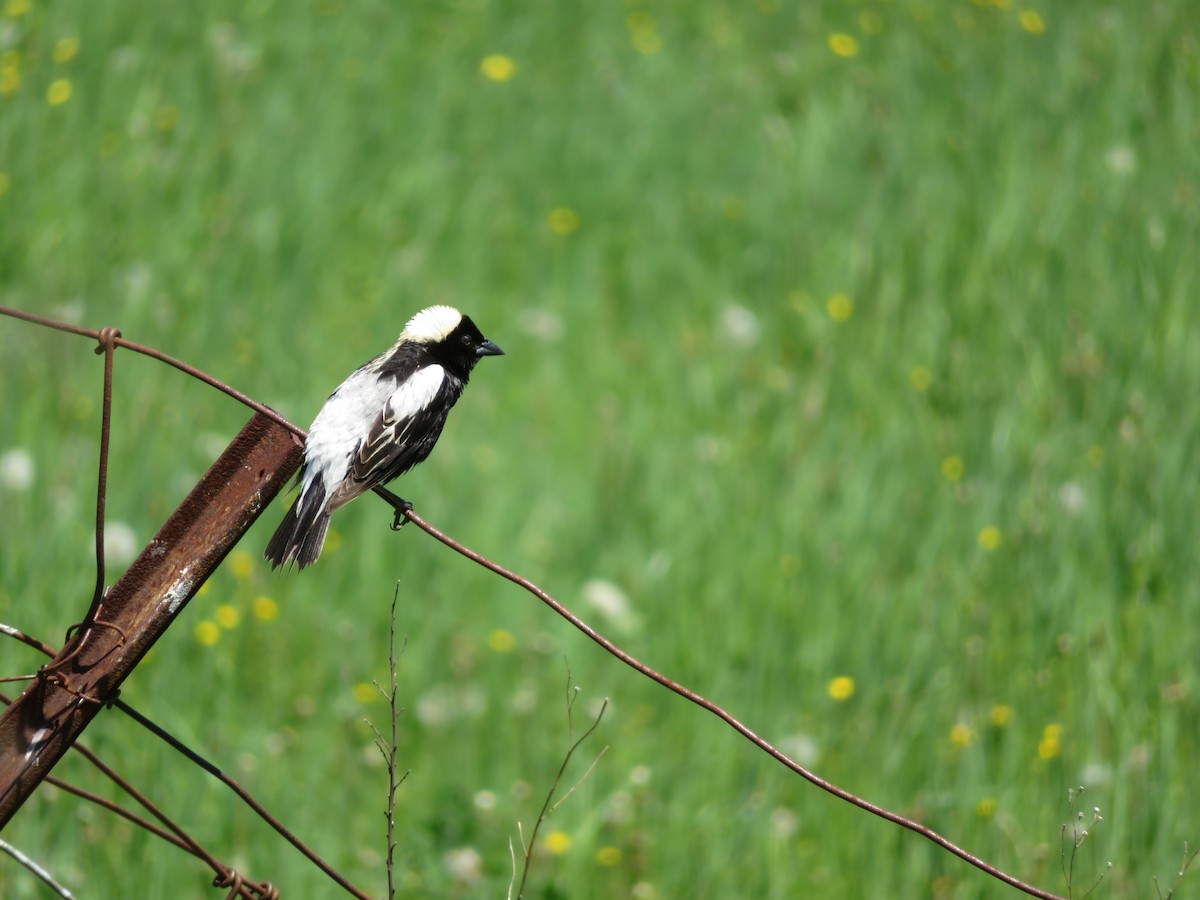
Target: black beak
<point>487,348</point>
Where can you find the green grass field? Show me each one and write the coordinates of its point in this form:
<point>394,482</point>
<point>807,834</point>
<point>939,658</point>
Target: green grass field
<point>854,345</point>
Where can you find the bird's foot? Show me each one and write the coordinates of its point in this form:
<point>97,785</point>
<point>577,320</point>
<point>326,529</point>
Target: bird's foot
<point>401,510</point>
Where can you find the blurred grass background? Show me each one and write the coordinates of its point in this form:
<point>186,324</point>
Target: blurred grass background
<point>852,354</point>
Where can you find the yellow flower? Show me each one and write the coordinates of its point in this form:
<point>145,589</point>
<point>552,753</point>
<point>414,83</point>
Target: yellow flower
<point>241,564</point>
<point>920,378</point>
<point>647,42</point>
<point>608,856</point>
<point>14,8</point>
<point>841,688</point>
<point>333,541</point>
<point>66,49</point>
<point>1001,715</point>
<point>840,307</point>
<point>952,468</point>
<point>365,692</point>
<point>1031,21</point>
<point>843,45</point>
<point>643,31</point>
<point>558,842</point>
<point>166,118</point>
<point>1095,456</point>
<point>640,22</point>
<point>227,616</point>
<point>985,808</point>
<point>265,609</point>
<point>207,633</point>
<point>871,23</point>
<point>502,641</point>
<point>733,208</point>
<point>10,80</point>
<point>990,538</point>
<point>962,735</point>
<point>1050,745</point>
<point>59,92</point>
<point>5,183</point>
<point>562,220</point>
<point>498,67</point>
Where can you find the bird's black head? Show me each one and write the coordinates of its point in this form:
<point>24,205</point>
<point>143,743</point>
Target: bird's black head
<point>451,338</point>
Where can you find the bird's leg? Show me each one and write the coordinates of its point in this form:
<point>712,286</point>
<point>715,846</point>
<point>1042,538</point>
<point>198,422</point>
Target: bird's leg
<point>402,507</point>
<point>399,504</point>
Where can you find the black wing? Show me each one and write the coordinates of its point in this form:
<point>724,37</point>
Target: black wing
<point>396,443</point>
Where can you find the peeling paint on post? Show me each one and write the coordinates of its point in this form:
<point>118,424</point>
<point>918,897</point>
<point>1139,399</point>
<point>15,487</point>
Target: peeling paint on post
<point>41,724</point>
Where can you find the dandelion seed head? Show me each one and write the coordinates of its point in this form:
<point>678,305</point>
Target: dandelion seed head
<point>485,800</point>
<point>740,325</point>
<point>17,470</point>
<point>463,864</point>
<point>120,543</point>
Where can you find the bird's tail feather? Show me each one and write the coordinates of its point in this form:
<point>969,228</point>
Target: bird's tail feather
<point>301,535</point>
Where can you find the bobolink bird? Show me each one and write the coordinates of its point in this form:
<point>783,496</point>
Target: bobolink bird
<point>378,424</point>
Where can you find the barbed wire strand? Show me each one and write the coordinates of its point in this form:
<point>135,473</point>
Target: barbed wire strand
<point>404,511</point>
<point>151,352</point>
<point>225,874</point>
<point>244,795</point>
<point>745,731</point>
<point>33,866</point>
<point>107,339</point>
<point>176,744</point>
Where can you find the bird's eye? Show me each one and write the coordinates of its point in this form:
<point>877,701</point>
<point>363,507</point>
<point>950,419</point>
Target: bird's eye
<point>466,339</point>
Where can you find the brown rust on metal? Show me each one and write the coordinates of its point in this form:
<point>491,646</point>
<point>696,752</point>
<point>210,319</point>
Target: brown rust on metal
<point>40,726</point>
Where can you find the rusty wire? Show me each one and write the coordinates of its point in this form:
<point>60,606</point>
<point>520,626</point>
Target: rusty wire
<point>108,345</point>
<point>179,838</point>
<point>404,512</point>
<point>173,832</point>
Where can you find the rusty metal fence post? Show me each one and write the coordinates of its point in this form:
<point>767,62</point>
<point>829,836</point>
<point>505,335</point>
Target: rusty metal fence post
<point>43,723</point>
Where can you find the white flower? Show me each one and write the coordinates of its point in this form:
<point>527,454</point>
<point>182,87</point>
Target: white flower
<point>1121,159</point>
<point>464,864</point>
<point>17,470</point>
<point>784,822</point>
<point>1072,497</point>
<point>610,601</point>
<point>120,543</point>
<point>739,325</point>
<point>485,800</point>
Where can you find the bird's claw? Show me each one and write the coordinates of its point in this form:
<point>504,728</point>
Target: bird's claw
<point>398,522</point>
